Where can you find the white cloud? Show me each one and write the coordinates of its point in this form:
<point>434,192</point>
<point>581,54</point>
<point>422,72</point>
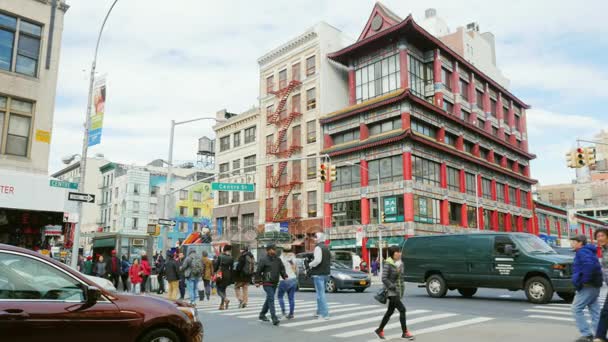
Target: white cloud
<point>542,121</point>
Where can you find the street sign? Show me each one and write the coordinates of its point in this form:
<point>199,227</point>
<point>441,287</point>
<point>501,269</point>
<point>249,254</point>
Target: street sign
<point>63,184</point>
<point>79,197</point>
<point>165,222</point>
<point>284,227</point>
<point>245,187</point>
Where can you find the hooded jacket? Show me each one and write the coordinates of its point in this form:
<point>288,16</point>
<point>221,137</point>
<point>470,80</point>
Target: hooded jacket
<point>586,270</point>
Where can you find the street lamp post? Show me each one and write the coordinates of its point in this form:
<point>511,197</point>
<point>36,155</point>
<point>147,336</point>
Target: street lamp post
<point>166,209</point>
<point>85,143</point>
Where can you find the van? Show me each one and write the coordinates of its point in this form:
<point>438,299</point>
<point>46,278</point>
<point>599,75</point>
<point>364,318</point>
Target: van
<point>466,262</point>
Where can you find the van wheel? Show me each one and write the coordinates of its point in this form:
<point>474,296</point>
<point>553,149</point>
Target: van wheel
<point>539,290</point>
<point>436,286</point>
<point>160,335</point>
<point>468,292</point>
<point>568,297</point>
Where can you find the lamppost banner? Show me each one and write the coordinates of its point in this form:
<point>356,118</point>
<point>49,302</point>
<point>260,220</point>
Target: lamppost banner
<point>99,105</point>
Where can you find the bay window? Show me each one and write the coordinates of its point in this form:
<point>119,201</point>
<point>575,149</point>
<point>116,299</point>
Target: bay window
<point>378,78</point>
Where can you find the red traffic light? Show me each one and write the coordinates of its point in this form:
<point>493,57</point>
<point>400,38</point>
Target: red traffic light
<point>323,166</point>
<point>579,150</point>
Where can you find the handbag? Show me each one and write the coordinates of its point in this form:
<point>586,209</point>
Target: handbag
<point>380,296</point>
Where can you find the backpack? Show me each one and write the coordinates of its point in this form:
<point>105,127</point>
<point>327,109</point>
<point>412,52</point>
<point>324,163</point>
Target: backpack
<point>196,267</point>
<point>249,266</point>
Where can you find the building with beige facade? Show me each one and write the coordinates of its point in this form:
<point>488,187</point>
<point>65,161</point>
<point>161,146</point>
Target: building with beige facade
<point>561,195</point>
<point>30,42</point>
<point>297,84</point>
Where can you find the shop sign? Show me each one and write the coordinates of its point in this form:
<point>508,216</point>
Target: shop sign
<point>52,231</point>
<point>28,191</point>
<point>272,227</point>
<point>359,235</point>
<point>390,206</point>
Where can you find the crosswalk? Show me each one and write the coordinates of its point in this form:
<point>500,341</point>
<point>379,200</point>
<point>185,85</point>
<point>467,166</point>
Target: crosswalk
<point>349,322</point>
<point>557,312</point>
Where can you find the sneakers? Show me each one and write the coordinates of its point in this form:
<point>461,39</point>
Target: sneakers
<point>408,335</point>
<point>597,339</point>
<point>585,339</point>
<point>380,334</point>
<point>275,321</point>
<point>264,319</point>
<point>290,316</point>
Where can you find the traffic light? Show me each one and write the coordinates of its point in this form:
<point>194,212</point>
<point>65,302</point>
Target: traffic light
<point>590,156</point>
<point>571,159</point>
<point>579,157</point>
<point>382,216</point>
<point>333,175</point>
<point>323,173</point>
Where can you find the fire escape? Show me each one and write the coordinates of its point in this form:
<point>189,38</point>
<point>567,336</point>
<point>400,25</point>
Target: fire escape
<point>281,182</point>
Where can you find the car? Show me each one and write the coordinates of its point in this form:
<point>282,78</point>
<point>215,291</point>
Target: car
<point>342,276</point>
<point>42,299</point>
<point>466,262</point>
<point>104,283</point>
<point>347,258</point>
<point>564,251</point>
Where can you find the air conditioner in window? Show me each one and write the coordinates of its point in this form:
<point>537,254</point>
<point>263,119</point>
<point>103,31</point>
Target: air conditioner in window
<point>138,242</point>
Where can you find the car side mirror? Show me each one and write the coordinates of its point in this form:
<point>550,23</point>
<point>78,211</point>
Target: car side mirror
<point>92,295</point>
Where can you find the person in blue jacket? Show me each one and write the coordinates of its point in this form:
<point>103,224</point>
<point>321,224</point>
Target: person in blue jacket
<point>587,280</point>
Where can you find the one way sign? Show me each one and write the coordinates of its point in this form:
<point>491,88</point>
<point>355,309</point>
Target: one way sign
<point>79,197</point>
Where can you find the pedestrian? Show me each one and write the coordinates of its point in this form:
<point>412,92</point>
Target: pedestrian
<point>159,262</point>
<point>375,267</point>
<point>172,275</point>
<point>135,274</point>
<point>80,264</point>
<point>270,271</point>
<point>146,271</point>
<point>601,236</point>
<point>245,269</point>
<point>207,275</point>
<point>124,272</point>
<point>587,279</point>
<point>182,278</point>
<point>288,286</point>
<point>88,266</point>
<point>100,268</point>
<point>223,267</point>
<point>113,268</point>
<point>320,270</point>
<point>394,286</point>
<point>193,270</point>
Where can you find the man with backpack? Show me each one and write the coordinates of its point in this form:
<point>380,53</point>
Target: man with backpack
<point>193,270</point>
<point>245,269</point>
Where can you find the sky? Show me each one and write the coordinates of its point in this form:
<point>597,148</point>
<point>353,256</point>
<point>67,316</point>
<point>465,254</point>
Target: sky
<point>178,60</point>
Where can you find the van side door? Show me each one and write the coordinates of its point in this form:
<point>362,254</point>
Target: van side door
<point>479,259</point>
<point>504,264</point>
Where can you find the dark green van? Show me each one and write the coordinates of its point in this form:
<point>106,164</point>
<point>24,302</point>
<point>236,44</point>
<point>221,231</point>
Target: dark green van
<point>465,262</point>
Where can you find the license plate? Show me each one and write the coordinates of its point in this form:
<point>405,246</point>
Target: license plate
<point>363,282</point>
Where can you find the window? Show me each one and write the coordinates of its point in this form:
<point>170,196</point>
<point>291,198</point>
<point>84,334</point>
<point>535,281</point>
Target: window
<point>312,203</point>
<point>455,213</point>
<point>295,72</point>
<point>22,280</point>
<point>500,242</point>
<point>470,183</point>
<point>197,227</point>
<point>487,219</point>
<point>464,90</point>
<point>500,192</point>
<point>448,107</point>
<point>479,99</point>
<point>269,143</point>
<point>424,128</point>
<point>197,196</point>
<point>450,139</point>
<point>385,126</point>
<point>136,189</point>
<point>311,99</point>
<point>311,168</point>
<point>493,107</point>
<point>494,131</point>
<point>377,79</point>
<point>296,136</point>
<point>446,78</point>
<point>390,169</point>
<point>236,165</point>
<point>28,45</point>
<point>269,112</point>
<point>421,75</point>
<point>472,216</point>
<point>311,131</point>
<point>296,203</point>
<point>481,123</point>
<point>236,196</point>
<point>347,177</point>
<point>501,222</point>
<point>466,116</point>
<point>426,209</point>
<point>18,114</point>
<point>426,171</point>
<point>517,122</point>
<point>249,163</point>
<point>347,136</point>
<point>486,188</point>
<point>310,66</point>
<point>296,103</point>
<point>468,147</point>
<point>224,170</point>
<point>483,153</point>
<point>183,227</point>
<point>222,197</point>
<point>282,78</point>
<point>250,135</point>
<point>135,223</point>
<point>249,196</point>
<point>512,195</point>
<point>135,207</point>
<point>153,191</point>
<point>453,179</point>
<point>524,200</point>
<point>269,84</point>
<point>237,139</point>
<point>346,213</point>
<point>224,143</point>
<point>183,195</point>
<point>183,211</point>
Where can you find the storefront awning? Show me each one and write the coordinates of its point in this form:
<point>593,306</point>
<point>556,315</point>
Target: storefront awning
<point>29,191</point>
<point>107,242</point>
<point>342,244</point>
<point>386,241</point>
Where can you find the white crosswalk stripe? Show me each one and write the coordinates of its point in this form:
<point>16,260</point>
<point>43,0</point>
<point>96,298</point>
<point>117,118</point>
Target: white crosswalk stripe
<point>558,312</point>
<point>446,326</point>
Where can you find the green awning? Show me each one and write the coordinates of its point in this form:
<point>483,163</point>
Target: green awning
<point>386,241</point>
<point>107,242</point>
<point>342,244</point>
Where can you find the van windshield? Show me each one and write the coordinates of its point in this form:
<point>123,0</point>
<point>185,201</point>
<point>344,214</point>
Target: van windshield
<point>534,245</point>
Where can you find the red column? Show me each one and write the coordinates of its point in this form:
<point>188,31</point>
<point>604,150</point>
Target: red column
<point>364,173</point>
<point>515,164</point>
<point>583,228</point>
<point>536,225</point>
<point>363,131</point>
<point>532,224</point>
<point>520,224</point>
<point>441,134</point>
<point>481,219</point>
<point>437,79</point>
<point>463,182</point>
<point>503,161</point>
<point>511,116</point>
<point>559,229</point>
<point>547,225</point>
<point>464,219</point>
<point>460,143</point>
<point>456,88</point>
<point>407,165</point>
<point>364,251</point>
<point>493,190</point>
<point>327,208</point>
<point>408,203</point>
<point>527,170</point>
<point>529,194</point>
<point>443,181</point>
<point>352,99</point>
<point>491,157</point>
<point>444,212</point>
<point>406,121</point>
<point>476,150</point>
<point>327,141</point>
<point>479,187</point>
<point>518,197</point>
<point>508,227</point>
<point>473,99</point>
<point>365,213</point>
<point>403,69</point>
<point>495,220</point>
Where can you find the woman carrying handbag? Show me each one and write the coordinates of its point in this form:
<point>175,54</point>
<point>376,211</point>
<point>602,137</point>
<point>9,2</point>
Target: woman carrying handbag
<point>394,287</point>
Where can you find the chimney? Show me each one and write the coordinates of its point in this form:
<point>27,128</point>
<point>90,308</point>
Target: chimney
<point>430,13</point>
<point>221,114</point>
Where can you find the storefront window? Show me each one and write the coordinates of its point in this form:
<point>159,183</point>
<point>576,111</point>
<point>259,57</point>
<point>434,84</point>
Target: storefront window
<point>390,215</point>
<point>426,209</point>
<point>455,213</point>
<point>390,169</point>
<point>346,213</point>
<point>348,177</point>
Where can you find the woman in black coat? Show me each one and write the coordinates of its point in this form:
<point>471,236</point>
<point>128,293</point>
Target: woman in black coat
<point>223,266</point>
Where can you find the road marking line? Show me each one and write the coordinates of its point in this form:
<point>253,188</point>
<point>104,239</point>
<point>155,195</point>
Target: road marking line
<point>249,306</point>
<point>394,325</point>
<point>553,312</point>
<point>332,311</point>
<point>445,326</point>
<point>333,318</point>
<point>558,305</point>
<point>552,317</point>
<point>311,308</point>
<point>252,310</point>
<point>357,322</point>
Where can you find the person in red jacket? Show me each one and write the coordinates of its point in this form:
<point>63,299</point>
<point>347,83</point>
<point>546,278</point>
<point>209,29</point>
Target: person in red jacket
<point>135,273</point>
<point>146,269</point>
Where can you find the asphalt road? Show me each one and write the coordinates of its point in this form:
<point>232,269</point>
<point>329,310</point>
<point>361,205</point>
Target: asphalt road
<point>491,315</point>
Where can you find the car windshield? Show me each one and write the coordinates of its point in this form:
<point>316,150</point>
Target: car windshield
<point>534,245</point>
<point>340,265</point>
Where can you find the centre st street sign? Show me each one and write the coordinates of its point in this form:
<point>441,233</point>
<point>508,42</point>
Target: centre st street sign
<point>79,197</point>
<point>63,184</point>
<point>245,187</point>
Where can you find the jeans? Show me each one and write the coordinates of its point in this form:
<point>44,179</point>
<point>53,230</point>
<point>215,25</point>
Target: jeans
<point>135,288</point>
<point>144,283</point>
<point>269,303</point>
<point>586,298</point>
<point>287,287</point>
<point>221,291</point>
<point>320,281</point>
<point>161,283</point>
<point>192,286</point>
<point>394,303</point>
<point>602,325</point>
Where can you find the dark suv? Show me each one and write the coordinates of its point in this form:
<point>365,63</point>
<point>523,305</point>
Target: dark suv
<point>44,300</point>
